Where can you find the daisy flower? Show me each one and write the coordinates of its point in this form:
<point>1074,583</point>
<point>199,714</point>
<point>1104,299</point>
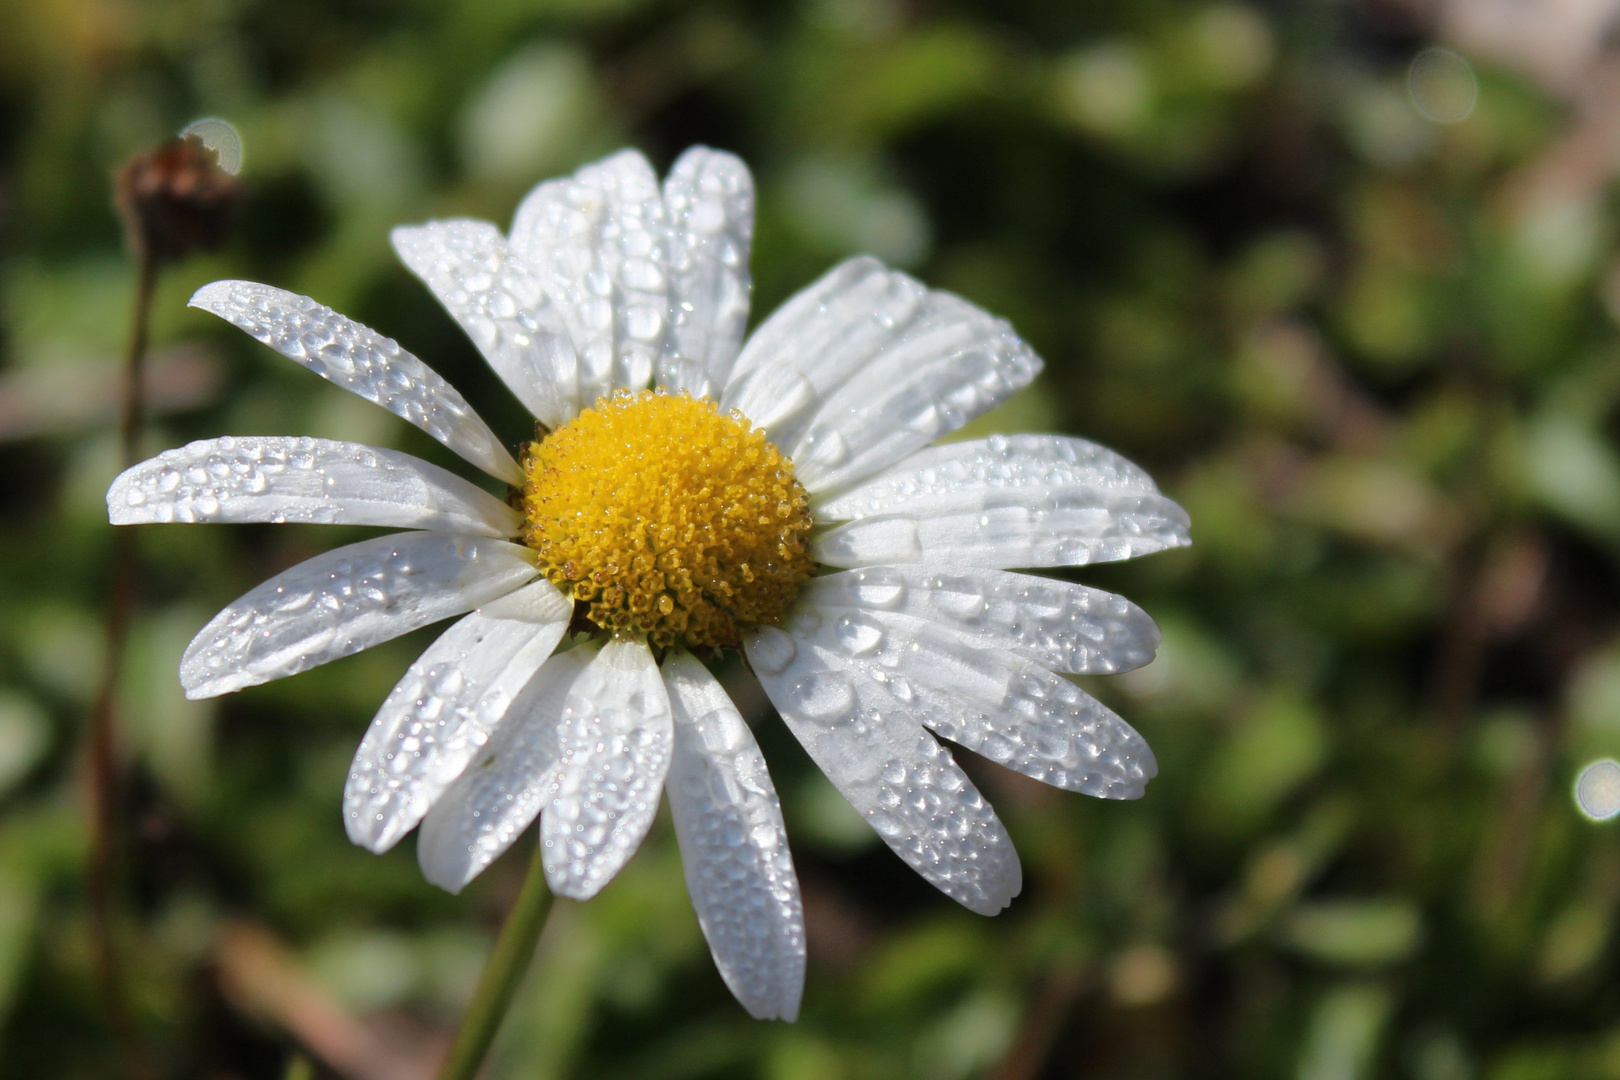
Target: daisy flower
<point>684,493</point>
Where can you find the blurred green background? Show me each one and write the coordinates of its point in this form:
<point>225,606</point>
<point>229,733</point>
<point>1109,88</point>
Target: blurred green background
<point>1354,303</point>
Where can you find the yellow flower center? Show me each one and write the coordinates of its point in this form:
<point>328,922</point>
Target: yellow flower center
<point>666,519</point>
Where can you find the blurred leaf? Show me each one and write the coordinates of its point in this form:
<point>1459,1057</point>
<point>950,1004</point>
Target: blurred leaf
<point>175,736</point>
<point>25,734</point>
<point>1191,671</point>
<point>1594,705</point>
<point>1577,938</point>
<point>61,647</point>
<point>969,1037</point>
<point>820,814</point>
<point>1278,271</point>
<point>798,1056</point>
<point>367,969</point>
<point>20,897</point>
<point>1277,745</point>
<point>1105,88</point>
<point>1342,1040</point>
<point>1380,500</point>
<point>1355,933</point>
<point>1575,473</point>
<point>528,117</point>
<point>1231,45</point>
<point>907,81</point>
<point>915,964</point>
<point>843,206</point>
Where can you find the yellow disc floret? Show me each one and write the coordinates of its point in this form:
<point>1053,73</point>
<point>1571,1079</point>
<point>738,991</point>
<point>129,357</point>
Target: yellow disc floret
<point>667,519</point>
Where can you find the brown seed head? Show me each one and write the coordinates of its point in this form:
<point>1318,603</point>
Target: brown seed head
<point>175,199</point>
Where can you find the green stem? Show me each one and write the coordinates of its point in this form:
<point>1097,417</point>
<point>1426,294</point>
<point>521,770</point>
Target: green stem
<point>503,973</point>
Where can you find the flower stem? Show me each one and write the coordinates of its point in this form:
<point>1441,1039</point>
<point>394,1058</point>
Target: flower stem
<point>103,721</point>
<point>134,404</point>
<point>499,982</point>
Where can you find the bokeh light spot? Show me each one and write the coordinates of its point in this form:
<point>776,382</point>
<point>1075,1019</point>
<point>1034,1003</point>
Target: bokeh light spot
<point>220,137</point>
<point>1442,86</point>
<point>1597,790</point>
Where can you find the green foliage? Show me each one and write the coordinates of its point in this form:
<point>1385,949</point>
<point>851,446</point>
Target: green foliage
<point>1372,353</point>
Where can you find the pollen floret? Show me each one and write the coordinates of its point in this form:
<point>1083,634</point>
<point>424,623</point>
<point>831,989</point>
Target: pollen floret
<point>671,520</point>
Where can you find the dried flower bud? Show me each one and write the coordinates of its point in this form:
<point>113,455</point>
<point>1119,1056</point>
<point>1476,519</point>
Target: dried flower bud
<point>175,199</point>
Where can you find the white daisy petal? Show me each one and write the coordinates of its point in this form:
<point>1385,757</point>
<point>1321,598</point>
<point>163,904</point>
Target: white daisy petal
<point>347,600</point>
<point>505,785</point>
<point>709,196</point>
<point>1021,500</point>
<point>1008,461</point>
<point>995,703</point>
<point>1059,625</point>
<point>613,743</point>
<point>501,304</point>
<point>597,239</point>
<point>445,708</point>
<point>951,364</point>
<point>890,366</point>
<point>289,478</point>
<point>733,844</point>
<point>361,360</point>
<point>890,769</point>
<point>813,342</point>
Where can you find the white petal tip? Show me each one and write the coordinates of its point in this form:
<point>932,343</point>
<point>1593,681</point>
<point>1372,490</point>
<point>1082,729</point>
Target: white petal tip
<point>1130,792</point>
<point>1147,767</point>
<point>443,860</point>
<point>786,1014</point>
<point>452,879</point>
<point>787,1010</point>
<point>989,905</point>
<point>202,691</point>
<point>572,888</point>
<point>199,682</point>
<point>996,902</point>
<point>403,237</point>
<point>376,840</point>
<point>1181,533</point>
<point>118,499</point>
<point>212,295</point>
